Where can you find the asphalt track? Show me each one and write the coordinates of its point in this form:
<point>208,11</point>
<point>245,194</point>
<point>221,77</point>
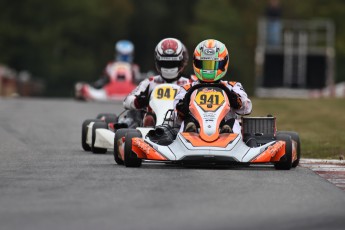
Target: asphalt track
<point>48,182</point>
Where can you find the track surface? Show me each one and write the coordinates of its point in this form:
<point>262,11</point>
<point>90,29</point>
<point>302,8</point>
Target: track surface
<point>48,182</point>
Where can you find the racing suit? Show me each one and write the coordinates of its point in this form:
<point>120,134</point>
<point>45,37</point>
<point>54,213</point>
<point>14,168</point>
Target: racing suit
<point>245,109</point>
<point>109,75</point>
<point>150,84</point>
<point>146,87</point>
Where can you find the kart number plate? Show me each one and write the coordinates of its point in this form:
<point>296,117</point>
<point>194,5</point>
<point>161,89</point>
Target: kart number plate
<point>165,93</point>
<point>209,99</point>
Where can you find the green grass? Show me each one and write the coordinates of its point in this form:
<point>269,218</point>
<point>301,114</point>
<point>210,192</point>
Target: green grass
<point>319,122</point>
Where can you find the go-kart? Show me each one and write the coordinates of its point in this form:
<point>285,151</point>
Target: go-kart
<point>119,83</point>
<point>98,134</point>
<point>258,143</point>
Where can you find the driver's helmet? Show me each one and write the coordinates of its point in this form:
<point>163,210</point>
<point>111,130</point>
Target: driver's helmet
<point>124,51</point>
<point>171,57</point>
<point>210,60</point>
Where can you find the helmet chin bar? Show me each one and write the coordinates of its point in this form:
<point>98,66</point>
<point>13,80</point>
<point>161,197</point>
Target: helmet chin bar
<point>169,73</point>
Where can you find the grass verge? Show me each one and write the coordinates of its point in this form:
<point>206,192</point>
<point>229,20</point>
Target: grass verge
<point>319,122</point>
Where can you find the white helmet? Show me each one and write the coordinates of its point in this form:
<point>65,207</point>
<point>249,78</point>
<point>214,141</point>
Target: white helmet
<point>171,57</point>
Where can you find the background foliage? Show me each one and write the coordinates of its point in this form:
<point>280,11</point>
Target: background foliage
<point>64,41</point>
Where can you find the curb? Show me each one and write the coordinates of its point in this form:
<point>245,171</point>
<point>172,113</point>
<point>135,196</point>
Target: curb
<point>322,161</point>
<point>331,170</point>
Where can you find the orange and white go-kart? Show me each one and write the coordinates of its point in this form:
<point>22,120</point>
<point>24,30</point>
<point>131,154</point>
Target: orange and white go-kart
<point>208,103</point>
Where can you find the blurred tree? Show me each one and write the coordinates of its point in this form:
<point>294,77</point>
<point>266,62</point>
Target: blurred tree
<point>221,20</point>
<point>61,41</point>
<point>65,41</point>
<point>154,20</point>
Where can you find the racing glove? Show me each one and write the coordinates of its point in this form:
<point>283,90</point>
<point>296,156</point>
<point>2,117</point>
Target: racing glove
<point>235,100</point>
<point>142,100</point>
<point>181,108</point>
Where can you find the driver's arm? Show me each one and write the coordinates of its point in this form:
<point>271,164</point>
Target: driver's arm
<point>179,96</point>
<point>246,107</point>
<point>178,103</point>
<point>129,102</point>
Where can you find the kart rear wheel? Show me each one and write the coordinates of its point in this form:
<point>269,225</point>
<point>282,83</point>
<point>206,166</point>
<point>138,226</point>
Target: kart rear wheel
<point>285,163</point>
<point>131,159</point>
<point>294,136</point>
<point>84,145</point>
<point>108,117</point>
<point>97,125</point>
<point>118,135</point>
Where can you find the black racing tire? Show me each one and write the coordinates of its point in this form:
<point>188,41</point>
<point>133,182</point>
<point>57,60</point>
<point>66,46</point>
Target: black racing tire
<point>118,135</point>
<point>131,159</point>
<point>285,162</point>
<point>84,145</point>
<point>97,125</point>
<point>294,136</point>
<point>108,117</point>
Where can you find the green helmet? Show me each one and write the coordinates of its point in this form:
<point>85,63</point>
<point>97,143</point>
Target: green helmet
<point>210,60</point>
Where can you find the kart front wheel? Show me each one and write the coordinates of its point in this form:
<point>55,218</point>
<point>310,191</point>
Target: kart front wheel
<point>118,135</point>
<point>285,163</point>
<point>84,145</point>
<point>131,159</point>
<point>295,137</point>
<point>97,125</point>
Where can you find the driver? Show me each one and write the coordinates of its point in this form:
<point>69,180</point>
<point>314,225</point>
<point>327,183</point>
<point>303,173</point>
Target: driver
<point>124,53</point>
<point>171,58</point>
<point>210,63</point>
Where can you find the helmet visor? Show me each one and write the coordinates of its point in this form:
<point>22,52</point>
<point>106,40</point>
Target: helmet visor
<point>124,58</point>
<point>210,64</point>
<point>170,64</point>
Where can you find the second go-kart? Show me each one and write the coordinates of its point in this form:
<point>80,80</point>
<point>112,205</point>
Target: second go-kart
<point>98,135</point>
<point>208,104</point>
<point>120,82</point>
